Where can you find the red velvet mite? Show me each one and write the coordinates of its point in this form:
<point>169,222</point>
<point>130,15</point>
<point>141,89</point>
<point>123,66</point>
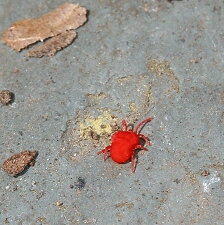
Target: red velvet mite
<point>125,142</point>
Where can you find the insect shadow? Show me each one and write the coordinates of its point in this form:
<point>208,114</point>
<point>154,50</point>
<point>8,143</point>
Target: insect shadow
<point>142,142</point>
<point>13,97</point>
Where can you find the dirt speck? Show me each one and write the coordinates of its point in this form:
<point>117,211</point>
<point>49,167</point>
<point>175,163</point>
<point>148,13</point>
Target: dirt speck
<point>163,70</point>
<point>125,204</point>
<point>205,173</point>
<point>80,184</point>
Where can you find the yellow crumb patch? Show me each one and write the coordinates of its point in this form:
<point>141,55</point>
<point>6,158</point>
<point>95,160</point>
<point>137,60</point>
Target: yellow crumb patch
<point>99,125</point>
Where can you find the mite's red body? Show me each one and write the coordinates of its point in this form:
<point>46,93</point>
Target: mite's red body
<point>124,143</point>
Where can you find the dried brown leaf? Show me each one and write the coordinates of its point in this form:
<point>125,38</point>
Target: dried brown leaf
<point>26,32</point>
<point>50,47</point>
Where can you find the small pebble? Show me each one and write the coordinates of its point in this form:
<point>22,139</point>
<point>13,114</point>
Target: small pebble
<point>5,97</point>
<point>59,203</point>
<point>18,162</point>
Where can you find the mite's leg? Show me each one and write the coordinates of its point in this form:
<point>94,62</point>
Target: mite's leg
<point>140,147</point>
<point>104,151</point>
<point>144,138</point>
<point>125,126</point>
<point>143,122</point>
<point>132,156</point>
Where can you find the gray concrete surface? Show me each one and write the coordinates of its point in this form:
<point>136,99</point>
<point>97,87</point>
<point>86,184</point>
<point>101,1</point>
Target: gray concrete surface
<point>131,60</point>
